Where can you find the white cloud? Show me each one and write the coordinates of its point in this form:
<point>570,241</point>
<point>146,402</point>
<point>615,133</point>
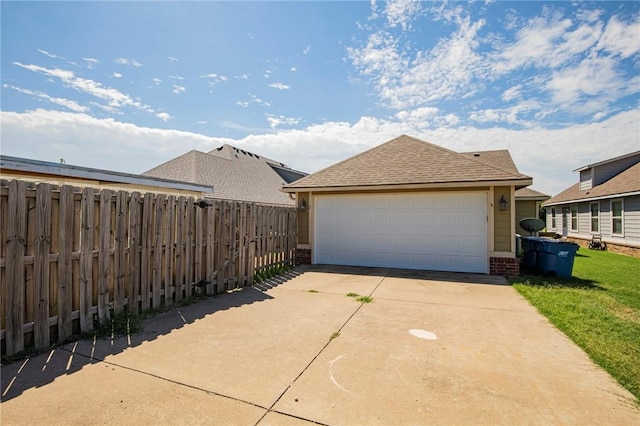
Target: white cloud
<point>172,59</point>
<point>91,62</point>
<point>214,79</point>
<point>201,122</point>
<point>401,12</point>
<point>449,70</point>
<point>164,116</point>
<point>548,155</point>
<point>130,62</point>
<point>242,77</point>
<point>114,98</point>
<point>156,80</point>
<point>176,77</point>
<point>294,69</point>
<point>566,63</point>
<point>279,86</point>
<point>116,75</point>
<point>51,55</point>
<point>277,121</point>
<point>306,49</point>
<point>621,39</point>
<point>253,100</point>
<point>67,103</point>
<point>177,89</point>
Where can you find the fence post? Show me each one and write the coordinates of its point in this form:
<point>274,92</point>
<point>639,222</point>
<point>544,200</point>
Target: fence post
<point>16,242</point>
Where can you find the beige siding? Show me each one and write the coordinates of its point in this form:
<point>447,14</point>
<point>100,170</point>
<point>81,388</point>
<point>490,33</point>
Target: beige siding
<point>303,218</point>
<point>81,182</point>
<point>502,220</point>
<point>524,209</point>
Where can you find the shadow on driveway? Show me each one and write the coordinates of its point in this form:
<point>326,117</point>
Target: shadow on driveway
<point>37,371</point>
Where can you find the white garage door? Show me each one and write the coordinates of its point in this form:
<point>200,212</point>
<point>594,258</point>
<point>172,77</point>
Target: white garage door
<point>435,231</point>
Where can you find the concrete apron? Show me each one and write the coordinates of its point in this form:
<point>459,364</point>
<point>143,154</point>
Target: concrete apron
<point>431,348</point>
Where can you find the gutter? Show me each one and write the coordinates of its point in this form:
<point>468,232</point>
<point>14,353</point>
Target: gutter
<point>601,197</point>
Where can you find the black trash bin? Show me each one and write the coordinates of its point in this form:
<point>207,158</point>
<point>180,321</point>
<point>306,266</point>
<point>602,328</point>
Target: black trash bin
<point>530,247</point>
<point>555,258</point>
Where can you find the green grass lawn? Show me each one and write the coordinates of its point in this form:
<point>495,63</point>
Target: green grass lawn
<point>598,308</point>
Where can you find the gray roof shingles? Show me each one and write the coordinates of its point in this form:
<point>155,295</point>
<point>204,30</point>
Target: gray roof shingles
<point>623,183</point>
<point>235,174</point>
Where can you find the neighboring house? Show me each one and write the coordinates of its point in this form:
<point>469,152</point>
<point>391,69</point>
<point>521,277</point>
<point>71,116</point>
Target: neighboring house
<point>411,204</point>
<point>528,204</point>
<point>66,174</point>
<point>236,174</point>
<point>605,201</point>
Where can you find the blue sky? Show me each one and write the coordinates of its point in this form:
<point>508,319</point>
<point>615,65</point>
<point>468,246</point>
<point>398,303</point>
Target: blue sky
<point>129,85</point>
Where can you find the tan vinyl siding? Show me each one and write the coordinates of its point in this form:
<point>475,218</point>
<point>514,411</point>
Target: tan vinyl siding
<point>303,218</point>
<point>502,220</point>
<point>525,209</point>
<point>83,182</point>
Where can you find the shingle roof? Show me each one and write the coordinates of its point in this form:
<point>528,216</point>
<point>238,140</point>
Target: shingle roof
<point>530,194</point>
<point>235,174</point>
<point>623,183</point>
<point>407,161</point>
<point>499,158</point>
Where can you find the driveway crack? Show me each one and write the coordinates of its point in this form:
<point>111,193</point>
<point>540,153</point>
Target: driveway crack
<point>270,409</point>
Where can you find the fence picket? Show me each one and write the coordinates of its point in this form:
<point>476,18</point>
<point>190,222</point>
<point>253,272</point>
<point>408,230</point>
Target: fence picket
<point>156,282</point>
<point>71,255</point>
<point>42,249</point>
<point>86,260</point>
<point>120,248</point>
<point>103,254</point>
<point>16,240</point>
<point>65,271</point>
<point>134,253</point>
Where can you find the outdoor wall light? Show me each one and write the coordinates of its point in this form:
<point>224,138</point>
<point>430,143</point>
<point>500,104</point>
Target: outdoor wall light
<point>303,205</point>
<point>503,204</point>
<point>202,203</point>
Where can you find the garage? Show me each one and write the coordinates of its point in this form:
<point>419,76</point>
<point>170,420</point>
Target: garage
<point>443,231</point>
<point>410,204</point>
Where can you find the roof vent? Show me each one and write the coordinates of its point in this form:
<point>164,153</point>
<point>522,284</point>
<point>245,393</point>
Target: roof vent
<point>476,154</point>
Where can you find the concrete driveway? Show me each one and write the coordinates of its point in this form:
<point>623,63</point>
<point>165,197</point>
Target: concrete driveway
<point>432,348</point>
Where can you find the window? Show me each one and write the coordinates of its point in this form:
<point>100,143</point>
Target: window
<point>617,211</point>
<point>595,217</point>
<point>574,217</point>
<point>553,218</point>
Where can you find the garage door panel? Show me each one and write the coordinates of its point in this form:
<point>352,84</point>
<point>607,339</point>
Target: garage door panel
<point>444,231</point>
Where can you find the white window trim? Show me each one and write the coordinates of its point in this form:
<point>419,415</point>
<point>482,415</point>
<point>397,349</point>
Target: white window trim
<point>554,222</point>
<point>591,218</point>
<point>621,216</point>
<point>571,207</point>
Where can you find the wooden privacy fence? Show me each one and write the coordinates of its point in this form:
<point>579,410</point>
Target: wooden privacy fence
<point>70,257</point>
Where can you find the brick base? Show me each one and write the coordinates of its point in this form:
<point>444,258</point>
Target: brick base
<point>505,266</point>
<point>303,256</point>
<point>614,248</point>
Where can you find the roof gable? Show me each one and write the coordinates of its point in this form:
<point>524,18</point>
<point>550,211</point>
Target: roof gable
<point>627,182</point>
<point>406,161</point>
<point>235,174</point>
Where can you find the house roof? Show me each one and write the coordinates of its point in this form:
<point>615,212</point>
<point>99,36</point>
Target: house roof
<point>625,183</point>
<point>610,160</point>
<point>45,168</point>
<point>236,174</point>
<point>407,161</point>
<point>499,158</point>
<point>530,194</point>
